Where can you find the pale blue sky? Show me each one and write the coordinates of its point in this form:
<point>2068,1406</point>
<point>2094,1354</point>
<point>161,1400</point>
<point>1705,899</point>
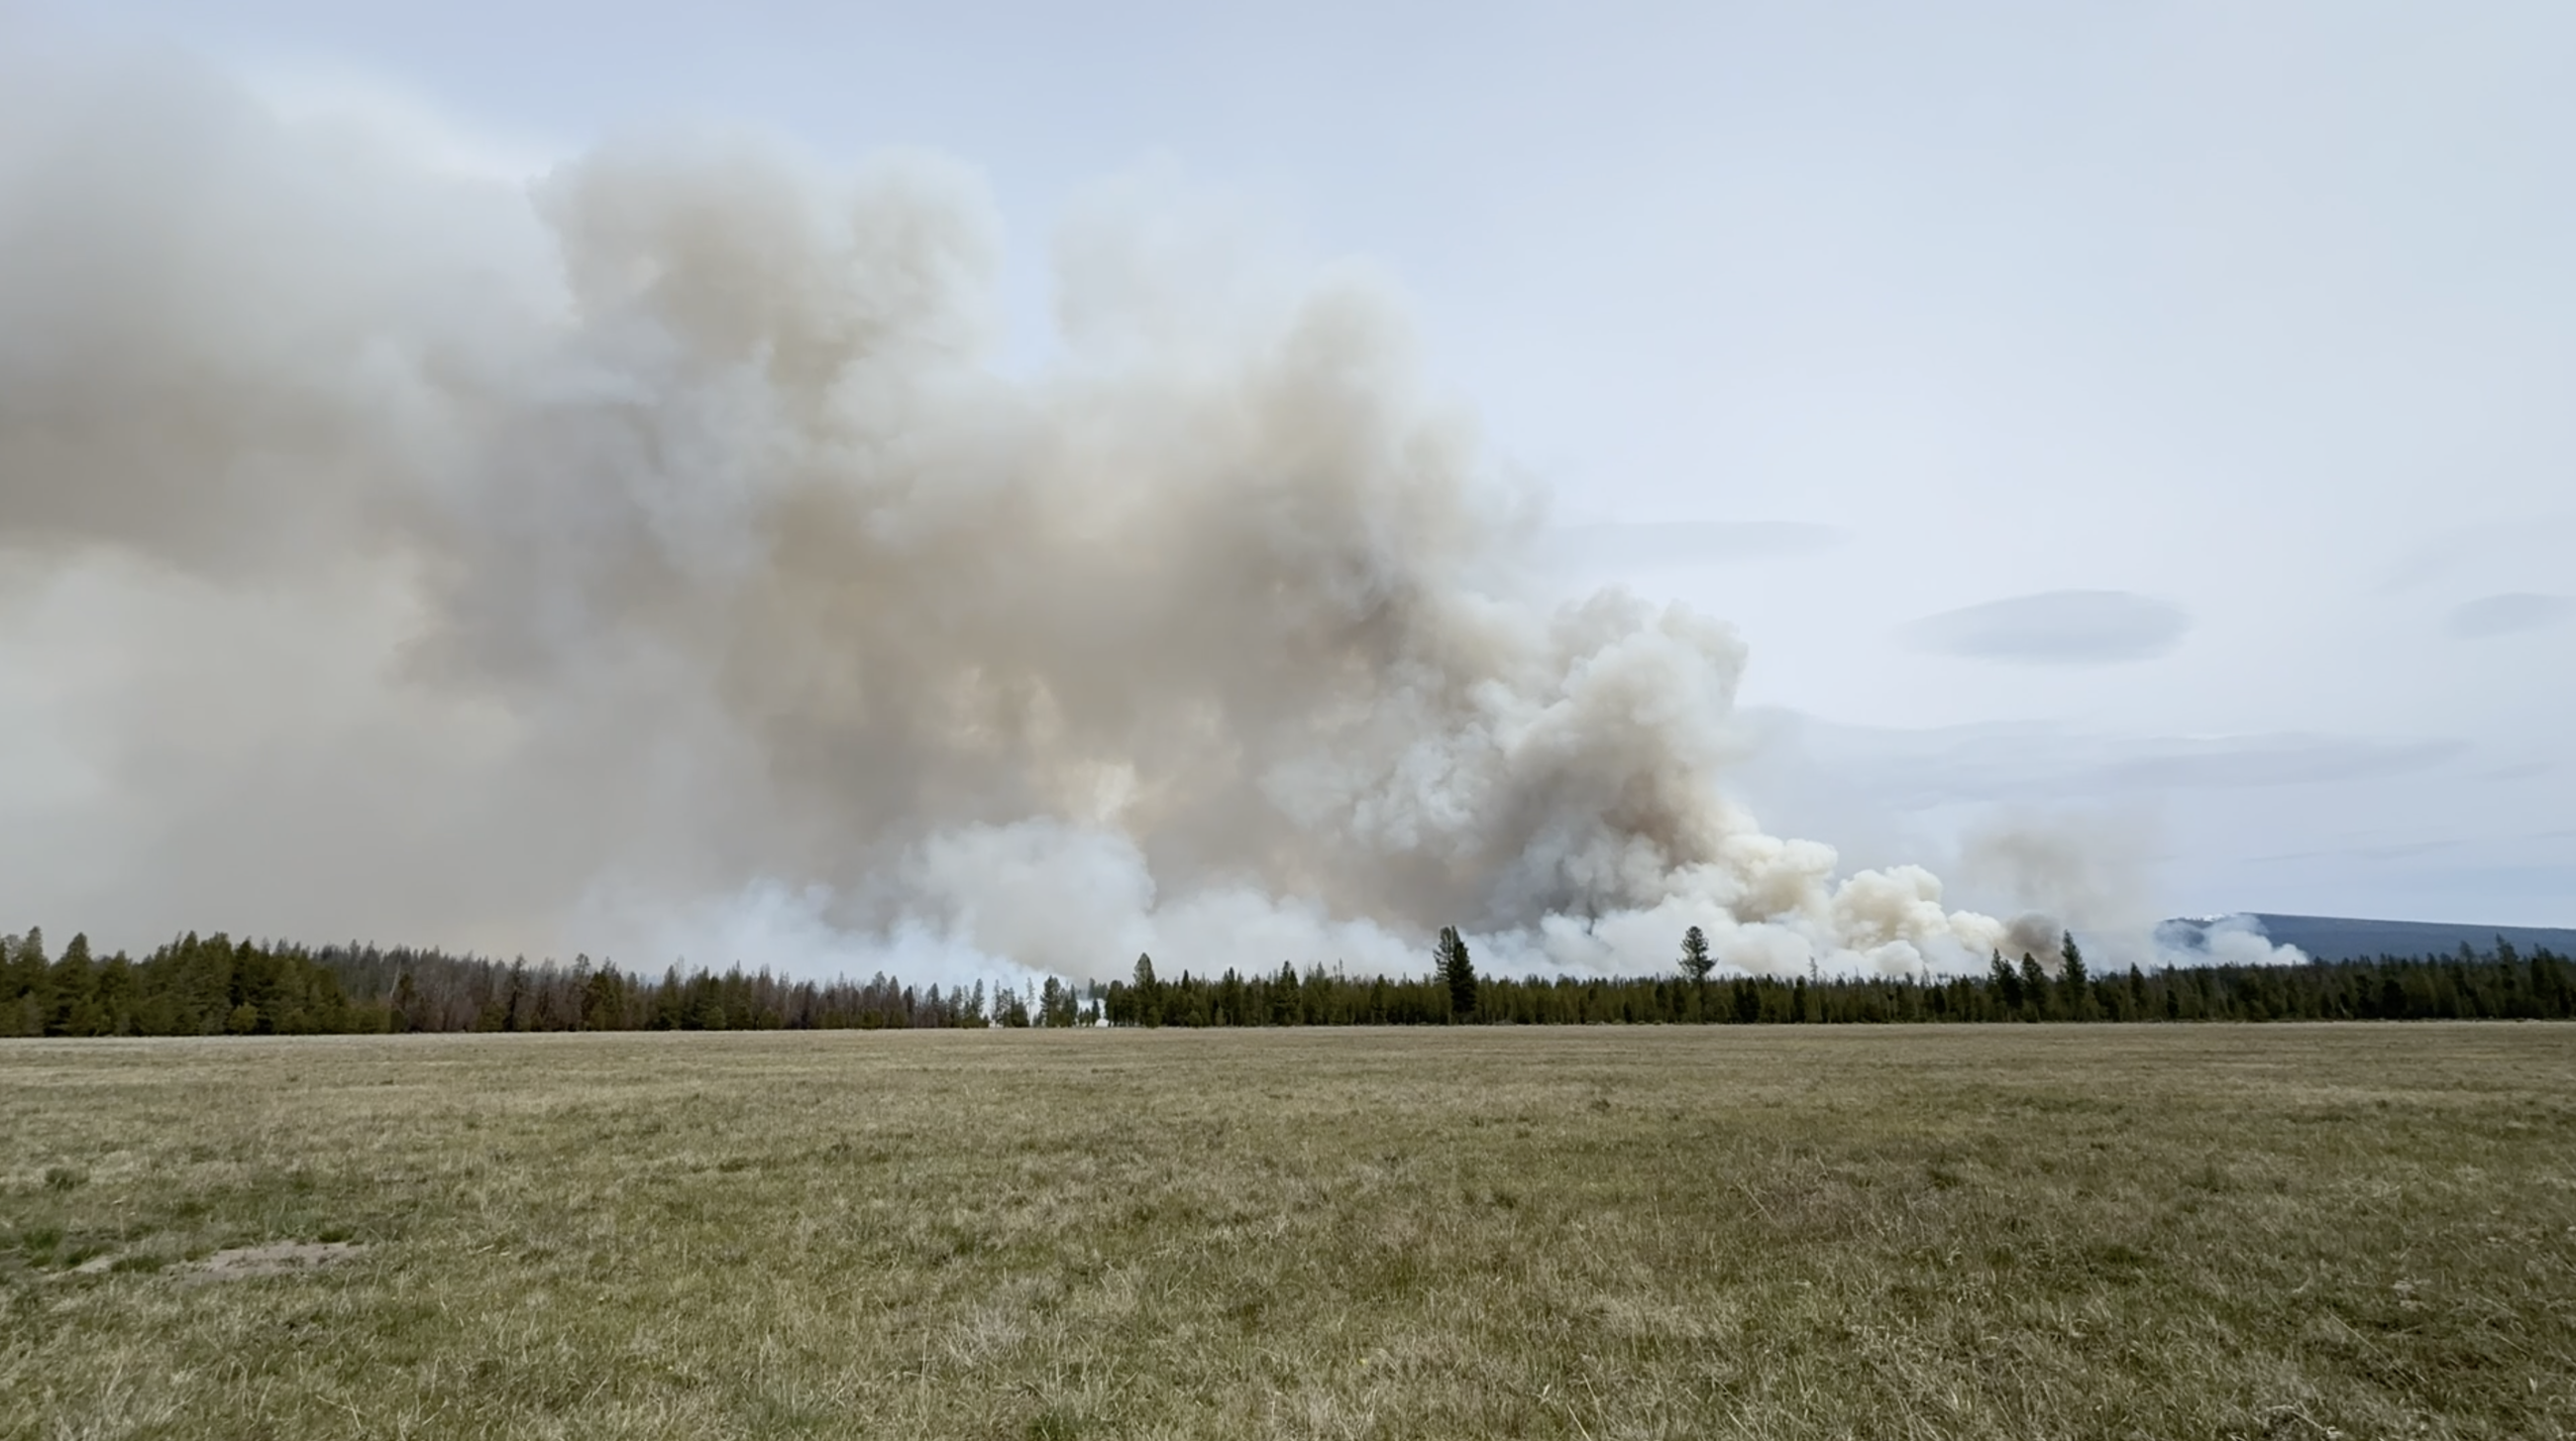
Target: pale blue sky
<point>2259,316</point>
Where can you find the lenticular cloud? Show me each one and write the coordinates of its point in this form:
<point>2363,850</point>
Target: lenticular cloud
<point>656,555</point>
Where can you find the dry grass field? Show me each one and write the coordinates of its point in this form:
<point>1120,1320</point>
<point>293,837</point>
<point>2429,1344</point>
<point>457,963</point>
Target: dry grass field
<point>2275,1231</point>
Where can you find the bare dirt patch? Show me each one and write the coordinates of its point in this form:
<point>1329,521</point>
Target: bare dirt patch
<point>278,1258</point>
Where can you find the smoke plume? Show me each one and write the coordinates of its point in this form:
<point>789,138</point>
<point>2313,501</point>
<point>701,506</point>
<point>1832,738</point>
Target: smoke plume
<point>659,557</point>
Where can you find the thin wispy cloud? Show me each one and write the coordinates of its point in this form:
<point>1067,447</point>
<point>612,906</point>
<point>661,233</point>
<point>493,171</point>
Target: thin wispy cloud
<point>2509,614</point>
<point>2059,627</point>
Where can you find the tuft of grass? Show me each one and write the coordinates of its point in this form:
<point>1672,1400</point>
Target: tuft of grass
<point>1985,1233</point>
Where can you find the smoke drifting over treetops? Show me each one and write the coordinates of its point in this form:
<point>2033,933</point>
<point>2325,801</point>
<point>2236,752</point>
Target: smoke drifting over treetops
<point>657,558</point>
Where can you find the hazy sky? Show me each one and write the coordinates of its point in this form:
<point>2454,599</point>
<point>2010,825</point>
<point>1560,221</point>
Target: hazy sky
<point>2154,416</point>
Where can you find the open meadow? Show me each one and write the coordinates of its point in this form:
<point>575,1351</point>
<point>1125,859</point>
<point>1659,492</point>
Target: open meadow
<point>2150,1231</point>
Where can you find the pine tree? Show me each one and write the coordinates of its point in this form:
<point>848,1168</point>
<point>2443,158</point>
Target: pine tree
<point>1451,966</point>
<point>1696,961</point>
<point>2077,982</point>
<point>22,984</point>
<point>1149,992</point>
<point>2005,982</point>
<point>2034,984</point>
<point>603,1002</point>
<point>670,1001</point>
<point>71,1007</point>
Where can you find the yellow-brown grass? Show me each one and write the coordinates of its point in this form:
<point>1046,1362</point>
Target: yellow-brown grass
<point>2284,1231</point>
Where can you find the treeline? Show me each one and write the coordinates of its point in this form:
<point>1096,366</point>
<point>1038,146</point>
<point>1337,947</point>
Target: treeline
<point>213,986</point>
<point>203,986</point>
<point>2495,985</point>
<point>190,987</point>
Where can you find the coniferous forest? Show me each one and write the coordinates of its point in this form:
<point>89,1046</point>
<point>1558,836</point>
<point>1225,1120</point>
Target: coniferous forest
<point>212,985</point>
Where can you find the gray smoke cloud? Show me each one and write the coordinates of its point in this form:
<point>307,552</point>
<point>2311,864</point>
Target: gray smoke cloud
<point>659,559</point>
<point>2087,865</point>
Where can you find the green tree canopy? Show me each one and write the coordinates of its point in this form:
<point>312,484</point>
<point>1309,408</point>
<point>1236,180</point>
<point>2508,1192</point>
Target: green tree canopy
<point>1450,962</point>
<point>1696,961</point>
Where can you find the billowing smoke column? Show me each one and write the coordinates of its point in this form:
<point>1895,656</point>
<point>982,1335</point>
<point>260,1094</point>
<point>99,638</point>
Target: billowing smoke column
<point>658,556</point>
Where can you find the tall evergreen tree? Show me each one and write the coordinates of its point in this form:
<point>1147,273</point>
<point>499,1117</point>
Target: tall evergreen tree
<point>2005,983</point>
<point>2078,983</point>
<point>22,984</point>
<point>72,1007</point>
<point>1696,961</point>
<point>1149,993</point>
<point>2035,988</point>
<point>1452,967</point>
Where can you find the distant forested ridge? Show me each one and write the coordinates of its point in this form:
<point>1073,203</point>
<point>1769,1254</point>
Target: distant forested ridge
<point>2347,938</point>
<point>212,985</point>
